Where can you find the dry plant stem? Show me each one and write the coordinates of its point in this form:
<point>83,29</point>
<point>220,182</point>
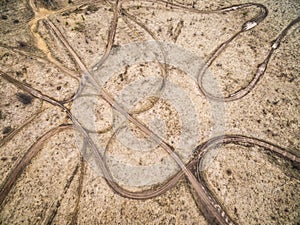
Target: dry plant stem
<point>31,153</point>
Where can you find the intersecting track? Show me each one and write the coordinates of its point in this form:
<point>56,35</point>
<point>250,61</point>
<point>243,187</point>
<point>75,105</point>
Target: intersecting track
<point>211,208</point>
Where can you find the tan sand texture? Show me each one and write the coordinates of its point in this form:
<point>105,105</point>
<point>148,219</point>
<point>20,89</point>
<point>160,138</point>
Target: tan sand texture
<point>149,112</point>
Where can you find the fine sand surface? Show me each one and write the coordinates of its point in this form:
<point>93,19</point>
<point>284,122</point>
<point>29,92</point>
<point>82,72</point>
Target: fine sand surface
<point>44,177</point>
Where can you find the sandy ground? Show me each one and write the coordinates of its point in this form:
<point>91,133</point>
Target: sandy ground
<point>252,184</point>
